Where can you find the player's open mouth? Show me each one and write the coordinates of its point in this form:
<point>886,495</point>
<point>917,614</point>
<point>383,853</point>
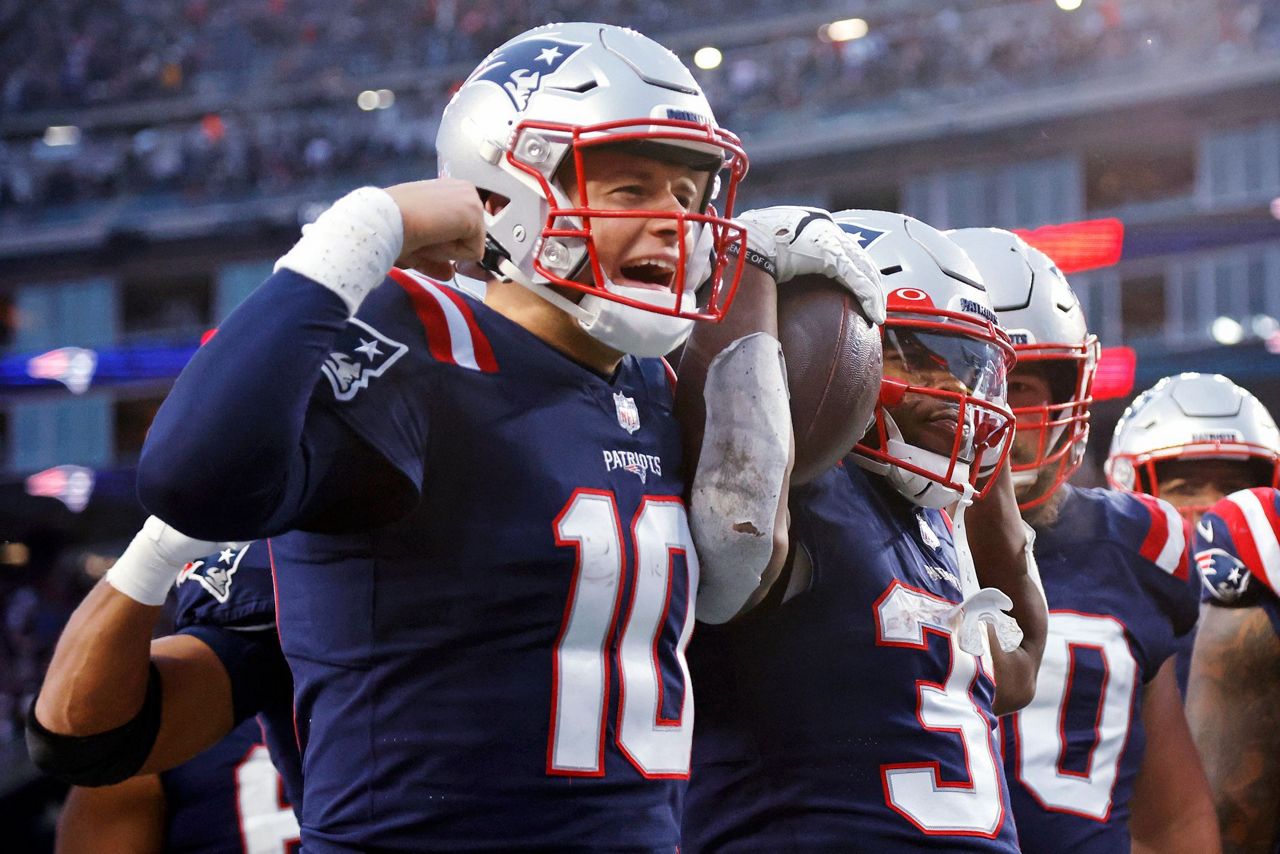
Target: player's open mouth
<point>653,273</point>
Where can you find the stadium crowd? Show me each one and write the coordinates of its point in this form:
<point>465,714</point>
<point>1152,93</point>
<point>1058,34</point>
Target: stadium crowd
<point>961,51</point>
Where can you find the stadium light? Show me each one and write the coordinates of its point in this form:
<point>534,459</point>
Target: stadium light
<point>56,135</point>
<point>385,98</point>
<point>1069,5</point>
<point>1275,207</point>
<point>1116,369</point>
<point>1226,331</point>
<point>844,30</point>
<point>708,58</point>
<point>367,100</point>
<point>1078,246</point>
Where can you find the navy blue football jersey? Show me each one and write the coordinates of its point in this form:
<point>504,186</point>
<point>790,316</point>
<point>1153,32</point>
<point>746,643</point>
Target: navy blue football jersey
<point>503,668</point>
<point>1237,552</point>
<point>842,714</point>
<point>229,800</point>
<point>1116,576</point>
<point>227,600</point>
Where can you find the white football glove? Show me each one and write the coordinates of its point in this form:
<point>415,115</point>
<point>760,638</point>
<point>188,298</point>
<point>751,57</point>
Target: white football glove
<point>801,241</point>
<point>151,563</point>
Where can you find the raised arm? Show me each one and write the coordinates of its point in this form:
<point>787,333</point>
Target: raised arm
<point>128,816</point>
<point>237,420</point>
<point>999,545</point>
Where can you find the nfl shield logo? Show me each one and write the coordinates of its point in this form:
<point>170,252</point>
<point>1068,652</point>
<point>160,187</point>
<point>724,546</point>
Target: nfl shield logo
<point>628,415</point>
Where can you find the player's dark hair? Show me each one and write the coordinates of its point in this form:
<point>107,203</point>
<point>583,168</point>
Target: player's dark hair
<point>101,759</point>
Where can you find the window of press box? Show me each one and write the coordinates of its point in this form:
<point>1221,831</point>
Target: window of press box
<point>166,306</point>
<point>1142,306</point>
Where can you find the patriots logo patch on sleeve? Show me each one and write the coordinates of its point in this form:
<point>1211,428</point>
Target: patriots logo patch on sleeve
<point>520,69</point>
<point>1222,574</point>
<point>360,354</point>
<point>215,572</point>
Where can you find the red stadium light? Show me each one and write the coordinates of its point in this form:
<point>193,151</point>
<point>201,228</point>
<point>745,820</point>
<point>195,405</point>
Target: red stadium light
<point>1078,246</point>
<point>1116,369</point>
<point>207,334</point>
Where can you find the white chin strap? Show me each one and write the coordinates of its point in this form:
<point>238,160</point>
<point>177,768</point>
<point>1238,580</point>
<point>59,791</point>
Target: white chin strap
<point>621,327</point>
<point>916,488</point>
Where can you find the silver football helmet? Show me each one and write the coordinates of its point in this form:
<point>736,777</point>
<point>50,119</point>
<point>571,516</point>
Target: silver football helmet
<point>1191,416</point>
<point>1044,320</point>
<point>524,118</point>
<point>944,353</point>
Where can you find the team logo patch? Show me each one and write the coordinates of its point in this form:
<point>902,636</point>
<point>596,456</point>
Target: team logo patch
<point>640,465</point>
<point>214,574</point>
<point>628,415</point>
<point>865,236</point>
<point>1223,574</point>
<point>520,69</point>
<point>361,354</point>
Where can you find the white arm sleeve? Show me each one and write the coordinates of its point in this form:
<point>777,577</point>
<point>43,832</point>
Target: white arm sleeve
<point>738,484</point>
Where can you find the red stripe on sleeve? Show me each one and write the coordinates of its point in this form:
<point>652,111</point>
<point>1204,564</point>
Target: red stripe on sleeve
<point>430,314</point>
<point>1241,536</point>
<point>479,343</point>
<point>1158,534</point>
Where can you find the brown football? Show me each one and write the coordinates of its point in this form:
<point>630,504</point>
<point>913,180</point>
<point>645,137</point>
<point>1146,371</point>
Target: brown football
<point>834,366</point>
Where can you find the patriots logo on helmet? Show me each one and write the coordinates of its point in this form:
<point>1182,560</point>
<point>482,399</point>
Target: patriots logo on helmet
<point>520,69</point>
<point>215,572</point>
<point>1223,574</point>
<point>360,354</point>
<point>865,236</point>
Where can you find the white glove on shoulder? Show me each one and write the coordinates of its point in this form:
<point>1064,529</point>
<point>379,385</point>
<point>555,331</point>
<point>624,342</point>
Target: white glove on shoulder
<point>150,565</point>
<point>800,241</point>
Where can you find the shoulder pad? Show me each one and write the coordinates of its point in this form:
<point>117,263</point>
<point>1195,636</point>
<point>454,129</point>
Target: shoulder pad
<point>1238,540</point>
<point>1155,529</point>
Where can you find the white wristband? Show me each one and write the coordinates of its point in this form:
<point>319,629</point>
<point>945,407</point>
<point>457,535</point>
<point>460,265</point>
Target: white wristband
<point>151,563</point>
<point>351,246</point>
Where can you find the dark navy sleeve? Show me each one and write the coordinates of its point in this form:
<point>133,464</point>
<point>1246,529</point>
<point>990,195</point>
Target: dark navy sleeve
<point>227,600</point>
<point>237,452</point>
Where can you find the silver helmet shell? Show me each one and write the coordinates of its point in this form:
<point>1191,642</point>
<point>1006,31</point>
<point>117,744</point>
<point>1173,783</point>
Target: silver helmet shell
<point>1190,416</point>
<point>530,109</point>
<point>1047,326</point>
<point>940,317</point>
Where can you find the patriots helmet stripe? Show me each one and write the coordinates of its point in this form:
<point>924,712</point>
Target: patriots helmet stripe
<point>1166,542</point>
<point>1251,520</point>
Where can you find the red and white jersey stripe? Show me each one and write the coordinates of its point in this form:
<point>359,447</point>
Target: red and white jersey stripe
<point>1166,541</point>
<point>453,336</point>
<point>1255,530</point>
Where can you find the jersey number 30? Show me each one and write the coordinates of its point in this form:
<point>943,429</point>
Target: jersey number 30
<point>657,746</point>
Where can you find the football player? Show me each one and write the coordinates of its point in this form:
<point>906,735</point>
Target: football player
<point>855,708</point>
<point>1101,760</point>
<point>228,800</point>
<point>1235,671</point>
<point>115,703</point>
<point>487,584</point>
<point>1192,439</point>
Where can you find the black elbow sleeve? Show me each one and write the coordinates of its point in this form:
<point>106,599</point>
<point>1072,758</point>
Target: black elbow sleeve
<point>101,759</point>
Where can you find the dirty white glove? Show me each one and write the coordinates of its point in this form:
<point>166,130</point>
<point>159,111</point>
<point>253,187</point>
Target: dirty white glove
<point>151,563</point>
<point>788,241</point>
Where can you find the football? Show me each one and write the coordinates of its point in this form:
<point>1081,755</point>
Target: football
<point>834,366</point>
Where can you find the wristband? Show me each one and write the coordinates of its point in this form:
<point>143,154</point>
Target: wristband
<point>756,259</point>
<point>351,246</point>
<point>147,569</point>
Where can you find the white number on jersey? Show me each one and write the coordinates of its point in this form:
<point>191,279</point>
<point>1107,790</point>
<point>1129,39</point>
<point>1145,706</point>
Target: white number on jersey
<point>1041,741</point>
<point>656,746</point>
<point>904,617</point>
<point>267,826</point>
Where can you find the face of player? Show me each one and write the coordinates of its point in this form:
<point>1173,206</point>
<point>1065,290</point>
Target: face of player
<point>634,251</point>
<point>948,363</point>
<point>1200,483</point>
<point>1028,386</point>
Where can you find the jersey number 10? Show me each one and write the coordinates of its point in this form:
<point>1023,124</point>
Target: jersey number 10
<point>655,745</point>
